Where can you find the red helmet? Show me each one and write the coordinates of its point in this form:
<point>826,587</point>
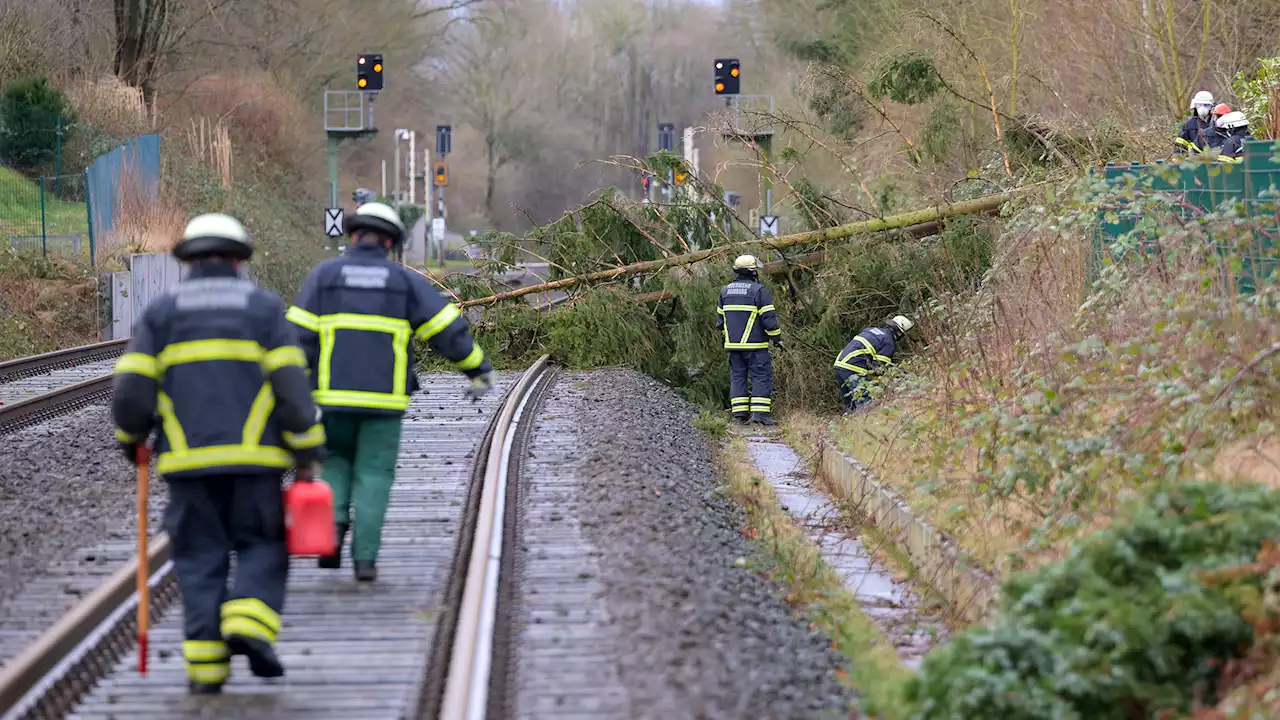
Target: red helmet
<point>1221,109</point>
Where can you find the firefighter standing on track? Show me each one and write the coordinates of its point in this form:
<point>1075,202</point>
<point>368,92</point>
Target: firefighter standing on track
<point>358,315</point>
<point>219,366</point>
<point>869,351</point>
<point>746,316</point>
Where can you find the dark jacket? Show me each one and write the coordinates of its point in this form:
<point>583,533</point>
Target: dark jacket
<point>1196,132</point>
<point>1233,144</point>
<point>871,349</point>
<point>220,366</point>
<point>746,315</point>
<point>358,316</point>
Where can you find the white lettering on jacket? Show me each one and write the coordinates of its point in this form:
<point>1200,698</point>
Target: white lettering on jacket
<point>364,276</point>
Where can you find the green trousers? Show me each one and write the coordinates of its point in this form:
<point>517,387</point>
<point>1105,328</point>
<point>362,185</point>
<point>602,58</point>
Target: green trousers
<point>360,468</point>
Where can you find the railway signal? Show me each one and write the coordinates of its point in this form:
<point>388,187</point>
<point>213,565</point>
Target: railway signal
<point>728,76</point>
<point>369,71</point>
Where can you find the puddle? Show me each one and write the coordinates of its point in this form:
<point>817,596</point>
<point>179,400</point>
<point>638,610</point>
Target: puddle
<point>889,603</point>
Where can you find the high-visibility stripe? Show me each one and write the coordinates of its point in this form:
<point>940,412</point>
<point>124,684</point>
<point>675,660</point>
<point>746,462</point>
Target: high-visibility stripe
<point>361,399</point>
<point>259,413</point>
<point>473,359</point>
<point>205,650</point>
<point>208,350</point>
<point>303,318</point>
<point>138,364</point>
<point>746,346</point>
<point>852,368</point>
<point>761,401</point>
<point>767,308</point>
<point>286,356</point>
<point>442,319</point>
<point>773,333</point>
<point>216,456</point>
<point>169,422</point>
<point>125,437</point>
<point>251,618</point>
<point>312,437</point>
<point>866,349</point>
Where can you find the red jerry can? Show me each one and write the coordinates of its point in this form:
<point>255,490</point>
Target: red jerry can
<point>309,528</point>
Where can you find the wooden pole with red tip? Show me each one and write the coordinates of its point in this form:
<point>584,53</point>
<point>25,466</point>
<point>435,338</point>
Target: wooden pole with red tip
<point>144,577</point>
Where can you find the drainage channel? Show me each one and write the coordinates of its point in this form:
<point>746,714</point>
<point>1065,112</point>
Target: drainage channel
<point>896,609</point>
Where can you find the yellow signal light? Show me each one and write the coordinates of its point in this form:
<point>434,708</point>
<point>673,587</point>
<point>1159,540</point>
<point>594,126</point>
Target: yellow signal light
<point>719,87</point>
<point>363,82</point>
<point>378,68</point>
<point>733,72</point>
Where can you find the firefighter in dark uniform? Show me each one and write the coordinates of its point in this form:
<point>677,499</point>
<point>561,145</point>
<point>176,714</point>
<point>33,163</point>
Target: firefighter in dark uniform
<point>869,351</point>
<point>746,316</point>
<point>1193,136</point>
<point>1234,128</point>
<point>358,316</point>
<point>215,364</point>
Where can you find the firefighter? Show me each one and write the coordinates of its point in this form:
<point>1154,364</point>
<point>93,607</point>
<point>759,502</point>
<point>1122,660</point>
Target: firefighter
<point>747,318</point>
<point>869,351</point>
<point>1197,127</point>
<point>358,315</point>
<point>1215,137</point>
<point>1234,127</point>
<point>219,367</point>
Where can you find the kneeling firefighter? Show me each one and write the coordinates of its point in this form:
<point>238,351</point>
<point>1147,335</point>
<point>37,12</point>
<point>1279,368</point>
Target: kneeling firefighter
<point>746,316</point>
<point>220,366</point>
<point>358,316</point>
<point>869,351</point>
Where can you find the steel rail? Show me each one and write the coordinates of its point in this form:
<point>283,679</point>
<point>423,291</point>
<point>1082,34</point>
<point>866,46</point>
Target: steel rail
<point>55,674</point>
<point>37,409</point>
<point>33,365</point>
<point>466,691</point>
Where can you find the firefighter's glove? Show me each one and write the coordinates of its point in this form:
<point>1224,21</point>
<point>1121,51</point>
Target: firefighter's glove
<point>130,451</point>
<point>777,344</point>
<point>479,386</point>
<point>307,472</point>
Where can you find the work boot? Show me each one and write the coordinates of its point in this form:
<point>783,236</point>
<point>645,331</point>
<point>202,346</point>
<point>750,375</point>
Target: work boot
<point>334,561</point>
<point>199,688</point>
<point>262,657</point>
<point>366,570</point>
<point>763,418</point>
<point>742,419</point>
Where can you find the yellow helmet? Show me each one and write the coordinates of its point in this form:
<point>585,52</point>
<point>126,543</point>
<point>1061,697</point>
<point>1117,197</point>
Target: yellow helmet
<point>747,262</point>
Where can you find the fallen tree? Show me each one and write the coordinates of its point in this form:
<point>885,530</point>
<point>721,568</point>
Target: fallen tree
<point>901,222</point>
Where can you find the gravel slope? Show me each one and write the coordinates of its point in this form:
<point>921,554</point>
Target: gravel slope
<point>63,486</point>
<point>704,639</point>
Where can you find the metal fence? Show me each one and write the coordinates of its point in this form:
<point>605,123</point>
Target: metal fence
<point>1195,189</point>
<point>137,162</point>
<point>45,214</point>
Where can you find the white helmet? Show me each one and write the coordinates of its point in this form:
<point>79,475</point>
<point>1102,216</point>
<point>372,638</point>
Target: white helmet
<point>1204,97</point>
<point>1232,120</point>
<point>214,234</point>
<point>380,218</point>
<point>903,323</point>
<point>747,262</point>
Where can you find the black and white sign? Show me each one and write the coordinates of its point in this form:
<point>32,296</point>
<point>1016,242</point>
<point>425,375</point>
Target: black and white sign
<point>769,225</point>
<point>333,222</point>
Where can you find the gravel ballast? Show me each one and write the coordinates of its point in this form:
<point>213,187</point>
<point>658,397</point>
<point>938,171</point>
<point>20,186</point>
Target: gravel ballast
<point>697,634</point>
<point>64,488</point>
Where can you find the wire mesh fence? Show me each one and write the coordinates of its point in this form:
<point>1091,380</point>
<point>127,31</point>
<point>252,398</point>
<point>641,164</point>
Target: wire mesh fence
<point>47,214</point>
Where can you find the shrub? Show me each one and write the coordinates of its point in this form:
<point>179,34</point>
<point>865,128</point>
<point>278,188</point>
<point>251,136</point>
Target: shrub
<point>29,114</point>
<point>1125,626</point>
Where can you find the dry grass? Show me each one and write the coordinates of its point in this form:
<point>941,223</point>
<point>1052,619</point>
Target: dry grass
<point>45,304</point>
<point>266,122</point>
<point>110,104</point>
<point>210,145</point>
<point>141,224</point>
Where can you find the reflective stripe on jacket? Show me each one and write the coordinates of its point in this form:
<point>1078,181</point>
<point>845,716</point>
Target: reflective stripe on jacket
<point>871,349</point>
<point>357,317</point>
<point>220,366</point>
<point>746,316</point>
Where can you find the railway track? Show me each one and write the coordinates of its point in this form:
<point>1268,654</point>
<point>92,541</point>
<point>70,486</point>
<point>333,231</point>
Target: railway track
<point>38,388</point>
<point>429,640</point>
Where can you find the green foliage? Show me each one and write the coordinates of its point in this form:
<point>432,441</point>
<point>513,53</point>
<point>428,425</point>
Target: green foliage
<point>817,211</point>
<point>29,112</point>
<point>1125,626</point>
<point>940,133</point>
<point>909,78</point>
<point>409,214</point>
<point>1255,89</point>
<point>711,422</point>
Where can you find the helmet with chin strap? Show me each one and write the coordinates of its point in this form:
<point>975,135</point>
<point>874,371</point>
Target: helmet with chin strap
<point>378,218</point>
<point>214,234</point>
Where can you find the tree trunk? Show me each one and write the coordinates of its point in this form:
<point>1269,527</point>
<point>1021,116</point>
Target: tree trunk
<point>491,178</point>
<point>140,28</point>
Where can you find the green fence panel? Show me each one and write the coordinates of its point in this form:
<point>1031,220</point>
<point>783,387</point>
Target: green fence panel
<point>45,215</point>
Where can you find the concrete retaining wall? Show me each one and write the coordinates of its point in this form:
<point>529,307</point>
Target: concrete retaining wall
<point>970,592</point>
